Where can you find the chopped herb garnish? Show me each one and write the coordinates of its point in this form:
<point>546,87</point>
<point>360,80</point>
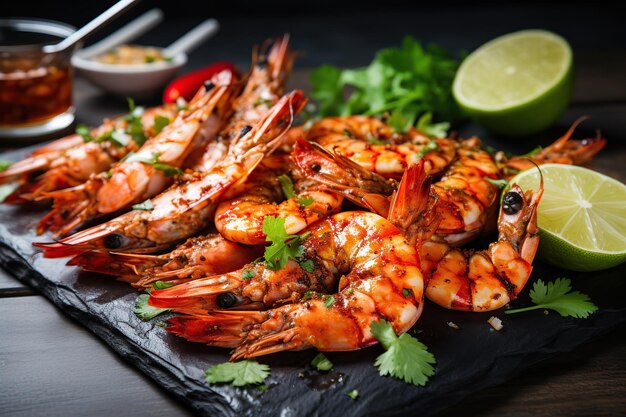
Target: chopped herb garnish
<point>321,363</point>
<point>308,265</point>
<point>405,357</point>
<point>305,201</point>
<point>135,127</point>
<point>284,246</point>
<point>145,311</point>
<point>534,151</point>
<point>432,145</point>
<point>308,295</point>
<point>161,285</point>
<point>5,164</point>
<point>375,141</point>
<point>354,394</point>
<point>248,274</point>
<point>407,292</point>
<point>425,125</point>
<point>347,133</point>
<point>168,170</point>
<point>501,183</point>
<point>329,301</point>
<point>259,101</point>
<point>238,374</point>
<point>6,190</point>
<point>287,186</point>
<point>83,130</point>
<point>557,296</point>
<point>159,123</point>
<point>181,104</point>
<point>146,205</point>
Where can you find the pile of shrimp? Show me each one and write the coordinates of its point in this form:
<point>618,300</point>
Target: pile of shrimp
<point>413,204</point>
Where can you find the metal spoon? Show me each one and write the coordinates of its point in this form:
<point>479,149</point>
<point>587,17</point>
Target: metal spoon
<point>130,31</point>
<point>90,27</point>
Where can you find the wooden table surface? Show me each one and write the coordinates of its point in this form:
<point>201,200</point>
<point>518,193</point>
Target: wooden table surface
<point>51,366</point>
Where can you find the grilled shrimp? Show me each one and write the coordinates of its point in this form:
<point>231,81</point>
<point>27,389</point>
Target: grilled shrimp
<point>376,147</point>
<point>70,161</point>
<point>464,279</point>
<point>563,151</point>
<point>241,218</point>
<point>377,274</point>
<point>186,208</point>
<point>195,258</point>
<point>466,196</point>
<point>264,87</point>
<point>132,180</point>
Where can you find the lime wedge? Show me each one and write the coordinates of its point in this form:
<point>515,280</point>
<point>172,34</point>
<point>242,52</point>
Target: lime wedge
<point>517,84</point>
<point>581,217</point>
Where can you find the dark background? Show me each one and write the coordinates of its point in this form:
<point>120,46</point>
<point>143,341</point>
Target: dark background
<point>348,33</point>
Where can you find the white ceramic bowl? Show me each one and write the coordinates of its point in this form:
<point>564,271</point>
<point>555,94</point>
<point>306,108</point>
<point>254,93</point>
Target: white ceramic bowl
<point>138,81</point>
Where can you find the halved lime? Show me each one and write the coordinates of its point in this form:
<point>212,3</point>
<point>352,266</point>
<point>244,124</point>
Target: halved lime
<point>516,84</point>
<point>581,217</point>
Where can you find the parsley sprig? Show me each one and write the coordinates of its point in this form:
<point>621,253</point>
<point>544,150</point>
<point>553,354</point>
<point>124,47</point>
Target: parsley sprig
<point>239,374</point>
<point>284,246</point>
<point>557,296</point>
<point>404,82</point>
<point>405,357</point>
<point>145,311</point>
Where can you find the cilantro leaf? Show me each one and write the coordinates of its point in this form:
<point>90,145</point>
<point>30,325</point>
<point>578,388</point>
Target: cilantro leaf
<point>321,363</point>
<point>286,185</point>
<point>146,205</point>
<point>135,127</point>
<point>557,296</point>
<point>6,190</point>
<point>305,201</point>
<point>432,145</point>
<point>159,123</point>
<point>308,265</point>
<point>284,246</point>
<point>168,170</point>
<point>238,374</point>
<point>5,164</point>
<point>405,357</point>
<point>161,285</point>
<point>404,82</point>
<point>501,183</point>
<point>425,125</point>
<point>329,301</point>
<point>145,311</point>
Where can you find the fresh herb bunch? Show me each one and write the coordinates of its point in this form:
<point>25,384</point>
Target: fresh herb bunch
<point>404,82</point>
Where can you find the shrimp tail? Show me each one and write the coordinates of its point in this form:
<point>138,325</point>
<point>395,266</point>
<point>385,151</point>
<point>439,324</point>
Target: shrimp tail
<point>413,206</point>
<point>222,329</point>
<point>342,175</point>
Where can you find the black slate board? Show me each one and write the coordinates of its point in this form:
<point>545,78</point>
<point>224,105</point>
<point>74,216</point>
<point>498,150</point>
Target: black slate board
<point>469,359</point>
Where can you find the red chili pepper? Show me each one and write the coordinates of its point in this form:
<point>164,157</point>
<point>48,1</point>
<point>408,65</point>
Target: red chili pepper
<point>187,85</point>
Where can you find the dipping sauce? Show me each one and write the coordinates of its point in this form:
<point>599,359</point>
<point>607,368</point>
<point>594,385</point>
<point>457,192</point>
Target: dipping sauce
<point>132,55</point>
<point>30,95</point>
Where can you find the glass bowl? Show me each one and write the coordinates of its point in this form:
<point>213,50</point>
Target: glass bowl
<point>35,87</point>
